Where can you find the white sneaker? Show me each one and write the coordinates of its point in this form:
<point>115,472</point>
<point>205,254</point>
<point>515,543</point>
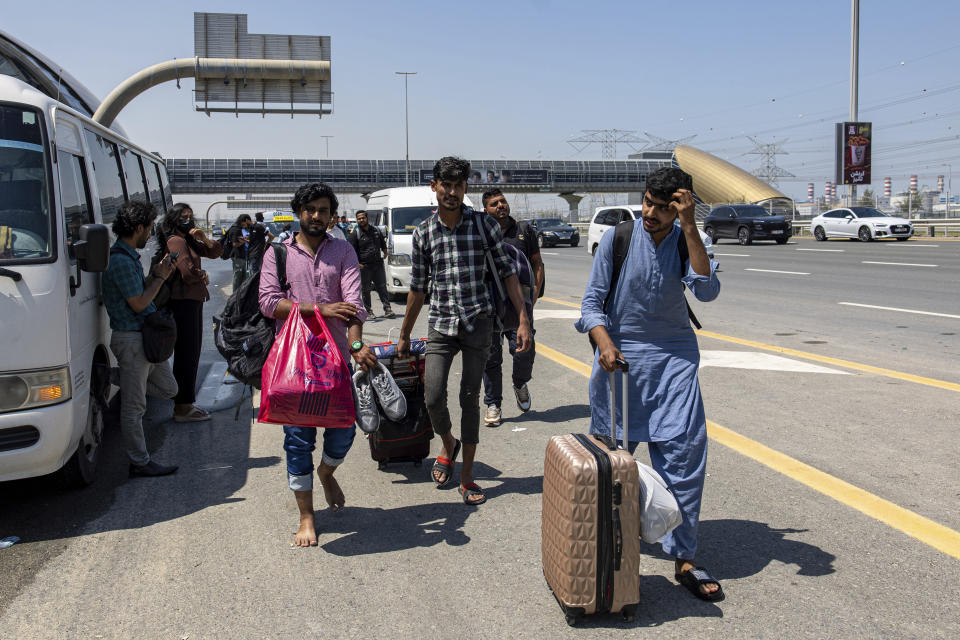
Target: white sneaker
<point>368,418</point>
<point>523,398</point>
<point>492,417</point>
<point>391,399</point>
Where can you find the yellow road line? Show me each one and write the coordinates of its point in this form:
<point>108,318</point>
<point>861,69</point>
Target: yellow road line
<point>909,377</point>
<point>916,526</point>
<point>866,368</point>
<point>563,302</point>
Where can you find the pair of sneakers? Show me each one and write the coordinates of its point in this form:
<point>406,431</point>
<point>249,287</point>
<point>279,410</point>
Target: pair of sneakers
<point>377,388</point>
<point>493,417</point>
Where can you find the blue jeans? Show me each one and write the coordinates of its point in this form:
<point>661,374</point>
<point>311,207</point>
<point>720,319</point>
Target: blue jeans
<point>299,443</point>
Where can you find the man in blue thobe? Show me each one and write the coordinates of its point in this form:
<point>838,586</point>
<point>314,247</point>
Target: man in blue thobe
<point>645,322</point>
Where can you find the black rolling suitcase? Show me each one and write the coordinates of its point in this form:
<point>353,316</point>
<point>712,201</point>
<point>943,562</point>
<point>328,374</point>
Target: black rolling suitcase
<point>407,440</point>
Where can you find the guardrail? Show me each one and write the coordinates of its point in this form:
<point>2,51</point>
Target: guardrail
<point>928,227</point>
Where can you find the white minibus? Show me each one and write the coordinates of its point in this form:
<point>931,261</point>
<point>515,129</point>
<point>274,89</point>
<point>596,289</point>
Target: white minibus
<point>62,179</point>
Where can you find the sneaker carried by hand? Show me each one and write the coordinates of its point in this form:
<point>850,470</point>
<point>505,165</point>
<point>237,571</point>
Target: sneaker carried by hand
<point>492,417</point>
<point>523,397</point>
<point>368,418</point>
<point>392,401</point>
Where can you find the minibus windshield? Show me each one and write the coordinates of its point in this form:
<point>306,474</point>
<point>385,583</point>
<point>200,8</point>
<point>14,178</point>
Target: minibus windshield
<point>24,207</point>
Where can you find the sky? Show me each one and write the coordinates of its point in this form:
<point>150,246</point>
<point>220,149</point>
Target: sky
<point>518,79</point>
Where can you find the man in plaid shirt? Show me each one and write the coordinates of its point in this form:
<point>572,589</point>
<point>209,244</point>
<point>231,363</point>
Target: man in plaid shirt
<point>448,250</point>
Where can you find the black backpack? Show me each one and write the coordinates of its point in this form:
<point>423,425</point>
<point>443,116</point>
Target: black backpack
<point>243,335</point>
<point>227,244</point>
<point>622,234</point>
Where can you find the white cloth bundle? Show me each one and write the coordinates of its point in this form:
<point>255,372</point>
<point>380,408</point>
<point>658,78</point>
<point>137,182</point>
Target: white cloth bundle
<point>659,511</point>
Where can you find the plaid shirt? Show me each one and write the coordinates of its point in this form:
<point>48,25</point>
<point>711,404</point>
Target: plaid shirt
<point>453,259</point>
<point>124,279</point>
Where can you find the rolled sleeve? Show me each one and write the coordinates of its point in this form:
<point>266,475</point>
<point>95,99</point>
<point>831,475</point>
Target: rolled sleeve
<point>591,307</point>
<point>270,293</point>
<point>704,288</point>
<point>350,283</point>
<point>421,267</point>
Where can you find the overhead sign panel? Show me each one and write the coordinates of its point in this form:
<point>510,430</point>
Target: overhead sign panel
<point>224,35</point>
<point>854,147</point>
<point>496,175</point>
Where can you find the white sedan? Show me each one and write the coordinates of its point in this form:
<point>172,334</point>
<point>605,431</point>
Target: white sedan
<point>865,223</point>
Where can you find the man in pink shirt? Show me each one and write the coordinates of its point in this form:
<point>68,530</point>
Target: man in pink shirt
<point>322,271</point>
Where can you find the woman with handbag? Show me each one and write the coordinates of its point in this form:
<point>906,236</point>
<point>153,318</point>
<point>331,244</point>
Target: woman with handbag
<point>188,292</point>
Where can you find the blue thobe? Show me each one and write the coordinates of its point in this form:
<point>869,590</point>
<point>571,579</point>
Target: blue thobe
<point>647,320</point>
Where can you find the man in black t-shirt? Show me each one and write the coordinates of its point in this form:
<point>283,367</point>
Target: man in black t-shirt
<point>257,243</point>
<point>371,248</point>
<point>521,236</point>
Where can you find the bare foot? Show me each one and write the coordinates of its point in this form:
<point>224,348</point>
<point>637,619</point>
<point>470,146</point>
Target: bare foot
<point>306,535</point>
<point>331,488</point>
<point>684,565</point>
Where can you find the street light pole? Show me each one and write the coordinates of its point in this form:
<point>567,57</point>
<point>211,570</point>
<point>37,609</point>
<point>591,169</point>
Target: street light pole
<point>328,145</point>
<point>854,75</point>
<point>406,117</point>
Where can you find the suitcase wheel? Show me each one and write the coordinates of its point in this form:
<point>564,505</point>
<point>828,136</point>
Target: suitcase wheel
<point>573,619</point>
<point>381,465</point>
<point>629,613</point>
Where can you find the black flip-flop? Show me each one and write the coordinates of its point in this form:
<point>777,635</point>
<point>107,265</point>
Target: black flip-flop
<point>470,490</point>
<point>693,578</point>
<point>445,465</point>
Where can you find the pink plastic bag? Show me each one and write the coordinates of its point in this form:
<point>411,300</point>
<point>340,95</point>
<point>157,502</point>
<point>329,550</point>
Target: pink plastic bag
<point>305,380</point>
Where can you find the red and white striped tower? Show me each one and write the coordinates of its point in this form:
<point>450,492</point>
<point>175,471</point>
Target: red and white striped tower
<point>887,187</point>
<point>828,192</point>
<point>940,183</point>
<point>913,185</point>
<point>810,191</point>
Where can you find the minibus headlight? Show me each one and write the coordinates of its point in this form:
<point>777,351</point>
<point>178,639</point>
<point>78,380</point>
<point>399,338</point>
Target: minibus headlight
<point>399,260</point>
<point>31,389</point>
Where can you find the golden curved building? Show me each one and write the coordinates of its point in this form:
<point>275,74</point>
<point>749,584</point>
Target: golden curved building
<point>716,181</point>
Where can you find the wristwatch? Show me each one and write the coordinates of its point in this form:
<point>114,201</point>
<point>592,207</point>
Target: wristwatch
<point>355,346</point>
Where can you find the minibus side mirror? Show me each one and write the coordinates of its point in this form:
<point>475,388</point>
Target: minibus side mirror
<point>92,249</point>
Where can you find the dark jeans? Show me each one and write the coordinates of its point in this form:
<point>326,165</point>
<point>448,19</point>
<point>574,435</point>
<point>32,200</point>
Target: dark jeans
<point>186,353</point>
<point>373,276</point>
<point>493,374</point>
<point>239,271</point>
<point>441,349</point>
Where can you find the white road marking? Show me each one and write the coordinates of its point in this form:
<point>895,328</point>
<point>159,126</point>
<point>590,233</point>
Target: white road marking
<point>733,255</point>
<point>516,429</point>
<point>824,250</point>
<point>793,273</point>
<point>899,264</point>
<point>760,361</point>
<point>925,313</point>
<point>910,244</point>
<point>556,314</point>
<point>548,253</point>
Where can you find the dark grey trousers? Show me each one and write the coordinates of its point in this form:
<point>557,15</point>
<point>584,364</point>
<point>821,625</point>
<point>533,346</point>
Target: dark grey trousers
<point>441,349</point>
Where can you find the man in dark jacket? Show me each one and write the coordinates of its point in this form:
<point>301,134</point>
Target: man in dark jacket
<point>371,248</point>
<point>521,236</point>
<point>257,243</point>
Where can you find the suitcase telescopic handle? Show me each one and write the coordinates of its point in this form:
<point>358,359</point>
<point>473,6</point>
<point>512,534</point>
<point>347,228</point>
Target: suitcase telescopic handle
<point>624,370</point>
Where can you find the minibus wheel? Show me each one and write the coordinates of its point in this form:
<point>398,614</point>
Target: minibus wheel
<point>81,468</point>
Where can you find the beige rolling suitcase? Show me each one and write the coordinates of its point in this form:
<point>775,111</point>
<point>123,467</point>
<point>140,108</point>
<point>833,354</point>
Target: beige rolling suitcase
<point>590,540</point>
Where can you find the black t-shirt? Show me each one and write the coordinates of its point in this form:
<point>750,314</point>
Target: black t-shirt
<point>368,244</point>
<point>520,235</point>
<point>258,241</point>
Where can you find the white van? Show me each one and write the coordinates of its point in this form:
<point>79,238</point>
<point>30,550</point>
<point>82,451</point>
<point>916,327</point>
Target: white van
<point>62,179</point>
<point>398,212</point>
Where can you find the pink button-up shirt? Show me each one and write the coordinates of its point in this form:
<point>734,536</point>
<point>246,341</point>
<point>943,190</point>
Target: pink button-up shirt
<point>333,275</point>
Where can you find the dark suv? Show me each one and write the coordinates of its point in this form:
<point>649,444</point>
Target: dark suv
<point>746,223</point>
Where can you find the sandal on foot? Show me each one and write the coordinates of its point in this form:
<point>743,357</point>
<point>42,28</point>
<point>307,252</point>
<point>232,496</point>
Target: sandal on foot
<point>195,414</point>
<point>470,490</point>
<point>692,579</point>
<point>445,465</point>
